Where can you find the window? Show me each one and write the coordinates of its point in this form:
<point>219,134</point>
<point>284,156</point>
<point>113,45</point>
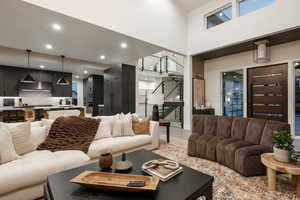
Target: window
<point>297,98</point>
<point>219,17</point>
<point>248,6</point>
<point>74,93</point>
<point>233,93</point>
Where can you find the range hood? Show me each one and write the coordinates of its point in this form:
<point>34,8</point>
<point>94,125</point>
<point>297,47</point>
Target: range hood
<point>37,86</point>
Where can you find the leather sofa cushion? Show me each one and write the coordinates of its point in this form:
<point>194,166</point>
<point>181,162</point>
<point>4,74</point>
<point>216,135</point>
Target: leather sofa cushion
<point>248,160</point>
<point>239,127</point>
<point>230,151</point>
<point>34,168</point>
<point>117,144</point>
<point>211,153</point>
<point>201,143</point>
<point>210,125</point>
<point>267,138</point>
<point>254,130</point>
<point>198,124</point>
<point>224,126</point>
<point>220,149</point>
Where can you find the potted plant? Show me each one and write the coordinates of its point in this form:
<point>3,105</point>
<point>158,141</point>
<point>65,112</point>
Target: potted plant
<point>283,145</point>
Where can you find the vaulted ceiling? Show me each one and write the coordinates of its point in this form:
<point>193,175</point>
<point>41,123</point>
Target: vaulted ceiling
<point>189,5</point>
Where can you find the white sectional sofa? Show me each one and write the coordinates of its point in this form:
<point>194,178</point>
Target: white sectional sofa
<point>23,179</point>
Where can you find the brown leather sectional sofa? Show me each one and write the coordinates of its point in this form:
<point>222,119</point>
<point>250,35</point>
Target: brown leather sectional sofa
<point>234,142</point>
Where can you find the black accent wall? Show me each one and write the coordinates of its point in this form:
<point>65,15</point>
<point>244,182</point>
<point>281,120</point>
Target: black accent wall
<point>119,89</point>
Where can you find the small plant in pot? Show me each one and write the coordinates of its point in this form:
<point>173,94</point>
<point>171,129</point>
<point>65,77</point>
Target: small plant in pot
<point>283,145</point>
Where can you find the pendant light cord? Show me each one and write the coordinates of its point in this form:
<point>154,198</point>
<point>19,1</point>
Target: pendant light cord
<point>62,65</point>
<point>28,57</point>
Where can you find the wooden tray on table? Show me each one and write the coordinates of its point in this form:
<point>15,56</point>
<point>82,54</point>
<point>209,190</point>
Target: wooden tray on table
<point>115,181</point>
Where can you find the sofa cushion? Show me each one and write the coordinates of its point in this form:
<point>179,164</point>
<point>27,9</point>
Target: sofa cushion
<point>198,124</point>
<point>7,149</point>
<point>254,130</point>
<point>117,144</point>
<point>230,151</point>
<point>248,160</point>
<point>211,145</point>
<point>21,137</point>
<point>38,135</point>
<point>220,149</point>
<point>267,138</point>
<point>201,143</point>
<point>224,126</point>
<point>33,168</point>
<point>239,127</point>
<point>210,125</point>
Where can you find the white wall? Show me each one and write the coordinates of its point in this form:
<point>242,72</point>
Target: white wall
<point>280,16</point>
<point>285,53</point>
<point>160,22</point>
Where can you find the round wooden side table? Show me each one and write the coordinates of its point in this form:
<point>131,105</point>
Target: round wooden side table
<point>274,166</point>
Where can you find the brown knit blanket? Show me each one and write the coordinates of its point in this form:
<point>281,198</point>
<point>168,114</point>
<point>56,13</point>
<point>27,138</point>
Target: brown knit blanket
<point>71,133</point>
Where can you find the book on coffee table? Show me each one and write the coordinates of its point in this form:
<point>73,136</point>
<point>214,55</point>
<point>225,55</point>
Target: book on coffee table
<point>162,173</point>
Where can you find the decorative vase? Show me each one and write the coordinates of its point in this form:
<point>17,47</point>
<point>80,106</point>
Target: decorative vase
<point>105,161</point>
<point>281,155</point>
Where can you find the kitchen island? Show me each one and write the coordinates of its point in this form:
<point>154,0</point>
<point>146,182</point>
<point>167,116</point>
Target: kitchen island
<point>33,113</point>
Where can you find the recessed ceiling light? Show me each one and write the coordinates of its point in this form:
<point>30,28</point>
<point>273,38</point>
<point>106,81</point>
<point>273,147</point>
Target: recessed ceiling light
<point>77,76</point>
<point>297,64</point>
<point>42,66</point>
<point>49,46</point>
<point>85,72</point>
<point>56,27</point>
<point>124,45</point>
<point>102,57</point>
<point>221,14</point>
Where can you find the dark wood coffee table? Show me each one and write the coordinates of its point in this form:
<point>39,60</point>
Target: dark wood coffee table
<point>189,185</point>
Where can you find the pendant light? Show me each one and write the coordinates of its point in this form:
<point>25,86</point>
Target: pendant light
<point>62,80</point>
<point>28,78</point>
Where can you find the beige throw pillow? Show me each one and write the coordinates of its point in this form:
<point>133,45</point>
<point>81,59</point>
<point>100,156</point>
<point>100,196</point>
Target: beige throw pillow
<point>48,123</point>
<point>104,129</point>
<point>141,127</point>
<point>38,135</point>
<point>122,125</point>
<point>21,138</point>
<point>7,150</point>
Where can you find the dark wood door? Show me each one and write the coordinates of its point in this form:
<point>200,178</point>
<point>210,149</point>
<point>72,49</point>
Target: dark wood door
<point>268,92</point>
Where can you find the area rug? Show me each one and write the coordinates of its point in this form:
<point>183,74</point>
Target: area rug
<point>228,184</point>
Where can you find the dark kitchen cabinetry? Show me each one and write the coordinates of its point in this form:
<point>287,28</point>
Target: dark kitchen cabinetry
<point>10,81</point>
<point>10,78</point>
<point>93,90</point>
<point>119,90</point>
<point>61,90</point>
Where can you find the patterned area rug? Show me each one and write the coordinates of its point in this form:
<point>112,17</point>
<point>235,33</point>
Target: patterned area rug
<point>228,184</point>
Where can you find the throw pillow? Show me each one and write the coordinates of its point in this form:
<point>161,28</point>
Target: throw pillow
<point>104,130</point>
<point>48,123</point>
<point>21,138</point>
<point>38,135</point>
<point>7,150</point>
<point>122,125</point>
<point>141,127</point>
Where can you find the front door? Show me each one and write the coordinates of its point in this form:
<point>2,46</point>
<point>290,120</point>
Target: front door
<point>268,92</point>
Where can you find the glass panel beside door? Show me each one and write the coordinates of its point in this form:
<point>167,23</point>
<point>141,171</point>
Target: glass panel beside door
<point>233,93</point>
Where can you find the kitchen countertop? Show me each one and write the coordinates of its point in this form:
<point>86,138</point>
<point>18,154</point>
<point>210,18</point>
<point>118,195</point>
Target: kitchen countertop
<point>8,108</point>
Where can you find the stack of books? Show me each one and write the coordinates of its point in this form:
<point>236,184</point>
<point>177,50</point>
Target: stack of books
<point>163,173</point>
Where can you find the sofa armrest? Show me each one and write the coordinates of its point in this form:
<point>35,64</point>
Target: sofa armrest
<point>155,134</point>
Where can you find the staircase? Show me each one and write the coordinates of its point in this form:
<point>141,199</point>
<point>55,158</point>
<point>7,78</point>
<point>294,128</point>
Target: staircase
<point>171,86</point>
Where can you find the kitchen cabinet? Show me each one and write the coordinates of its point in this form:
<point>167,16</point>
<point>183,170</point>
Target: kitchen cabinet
<point>10,78</point>
<point>1,83</point>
